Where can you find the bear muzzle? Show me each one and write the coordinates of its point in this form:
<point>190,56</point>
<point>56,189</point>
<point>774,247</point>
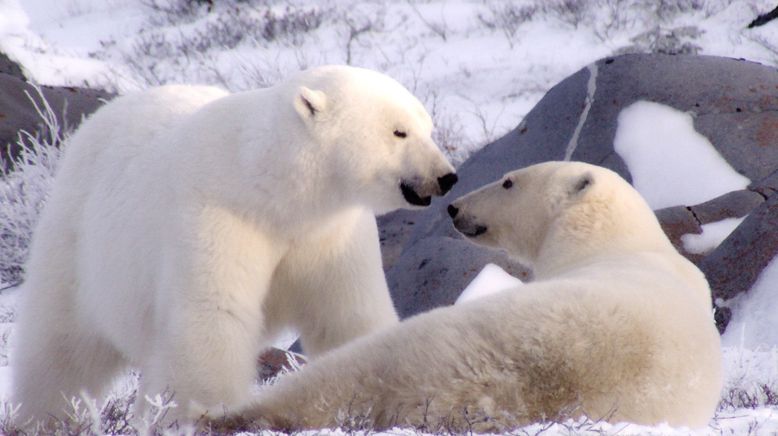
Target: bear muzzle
<point>464,224</point>
<point>446,182</point>
<point>413,197</point>
<point>420,194</point>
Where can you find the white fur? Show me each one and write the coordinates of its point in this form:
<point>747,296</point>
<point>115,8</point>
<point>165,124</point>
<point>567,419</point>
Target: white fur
<point>617,325</point>
<point>187,227</point>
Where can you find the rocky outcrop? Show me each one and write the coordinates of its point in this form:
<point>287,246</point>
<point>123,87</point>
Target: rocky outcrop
<point>17,111</point>
<point>8,66</point>
<point>734,104</point>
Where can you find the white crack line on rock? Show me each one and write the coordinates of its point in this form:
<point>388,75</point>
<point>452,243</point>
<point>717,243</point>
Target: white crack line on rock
<point>591,87</point>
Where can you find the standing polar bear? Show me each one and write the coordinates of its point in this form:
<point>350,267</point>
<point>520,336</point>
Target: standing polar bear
<point>617,325</point>
<point>188,227</point>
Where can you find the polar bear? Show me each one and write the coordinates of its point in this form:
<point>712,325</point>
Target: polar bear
<point>188,227</point>
<point>616,325</point>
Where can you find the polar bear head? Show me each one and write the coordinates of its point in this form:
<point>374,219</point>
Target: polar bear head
<point>558,210</point>
<point>375,137</point>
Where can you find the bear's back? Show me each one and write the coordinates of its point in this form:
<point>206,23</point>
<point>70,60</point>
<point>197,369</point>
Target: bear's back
<point>125,128</point>
<point>646,323</point>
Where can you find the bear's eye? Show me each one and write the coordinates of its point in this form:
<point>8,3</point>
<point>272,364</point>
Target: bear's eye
<point>507,184</point>
<point>400,134</point>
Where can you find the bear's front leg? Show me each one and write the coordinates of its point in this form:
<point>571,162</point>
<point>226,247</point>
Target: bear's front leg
<point>331,286</point>
<point>208,317</point>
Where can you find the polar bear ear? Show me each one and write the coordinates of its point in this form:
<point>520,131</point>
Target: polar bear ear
<point>309,102</point>
<point>581,184</point>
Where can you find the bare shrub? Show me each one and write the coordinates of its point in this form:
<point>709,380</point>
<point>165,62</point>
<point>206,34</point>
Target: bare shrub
<point>667,9</point>
<point>770,47</point>
<point>158,54</point>
<point>439,28</point>
<point>358,24</point>
<point>573,12</point>
<point>24,190</point>
<point>169,12</point>
<point>749,396</point>
<point>604,17</point>
<point>665,41</point>
<point>448,131</point>
<point>507,18</point>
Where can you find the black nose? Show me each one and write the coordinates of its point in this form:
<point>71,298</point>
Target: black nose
<point>452,211</point>
<point>446,182</point>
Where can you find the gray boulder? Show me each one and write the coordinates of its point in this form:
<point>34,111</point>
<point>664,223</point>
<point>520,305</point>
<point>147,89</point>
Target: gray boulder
<point>734,105</point>
<point>18,113</point>
<point>734,266</point>
<point>8,66</point>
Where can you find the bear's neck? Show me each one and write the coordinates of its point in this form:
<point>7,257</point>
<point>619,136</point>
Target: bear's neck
<point>567,248</point>
<point>278,179</point>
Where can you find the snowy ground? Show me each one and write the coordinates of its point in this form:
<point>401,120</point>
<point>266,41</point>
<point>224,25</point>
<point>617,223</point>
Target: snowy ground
<point>479,67</point>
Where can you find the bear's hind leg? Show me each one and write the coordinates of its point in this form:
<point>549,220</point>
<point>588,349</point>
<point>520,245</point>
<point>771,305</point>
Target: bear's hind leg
<point>58,365</point>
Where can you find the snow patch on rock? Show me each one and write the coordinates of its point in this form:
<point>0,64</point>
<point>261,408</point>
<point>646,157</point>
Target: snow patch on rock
<point>490,280</point>
<point>712,235</point>
<point>670,162</point>
<point>754,312</point>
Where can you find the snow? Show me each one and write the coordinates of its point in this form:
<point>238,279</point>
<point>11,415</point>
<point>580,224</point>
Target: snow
<point>436,48</point>
<point>490,280</point>
<point>746,367</point>
<point>13,19</point>
<point>285,340</point>
<point>479,67</point>
<point>754,321</point>
<point>8,303</point>
<point>712,235</point>
<point>670,162</point>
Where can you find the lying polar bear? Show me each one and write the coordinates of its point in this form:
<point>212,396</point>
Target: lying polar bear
<point>617,325</point>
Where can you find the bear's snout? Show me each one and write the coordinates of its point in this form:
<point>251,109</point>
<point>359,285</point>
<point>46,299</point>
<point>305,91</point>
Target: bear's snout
<point>413,197</point>
<point>446,182</point>
<point>419,191</point>
<point>469,228</point>
<point>465,224</point>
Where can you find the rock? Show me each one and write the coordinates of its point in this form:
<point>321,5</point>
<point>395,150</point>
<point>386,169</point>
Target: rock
<point>735,265</point>
<point>734,105</point>
<point>394,230</point>
<point>678,221</point>
<point>435,270</point>
<point>18,113</point>
<point>273,361</point>
<point>7,66</point>
<point>735,204</point>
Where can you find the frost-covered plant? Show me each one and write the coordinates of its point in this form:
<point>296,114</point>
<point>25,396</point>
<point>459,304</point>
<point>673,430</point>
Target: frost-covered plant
<point>604,17</point>
<point>171,12</point>
<point>666,41</point>
<point>508,17</point>
<point>667,9</point>
<point>115,415</point>
<point>573,12</point>
<point>448,131</point>
<point>186,33</point>
<point>749,396</point>
<point>24,189</point>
